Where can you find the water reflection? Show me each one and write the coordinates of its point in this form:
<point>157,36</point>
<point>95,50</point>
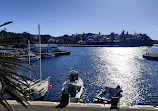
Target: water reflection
<point>137,77</point>
<point>121,66</point>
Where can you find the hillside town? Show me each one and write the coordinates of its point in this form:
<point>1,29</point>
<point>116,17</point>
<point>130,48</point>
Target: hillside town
<point>123,39</point>
<point>112,39</point>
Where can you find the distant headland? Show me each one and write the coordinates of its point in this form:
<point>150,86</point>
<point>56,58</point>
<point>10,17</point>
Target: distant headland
<point>85,39</point>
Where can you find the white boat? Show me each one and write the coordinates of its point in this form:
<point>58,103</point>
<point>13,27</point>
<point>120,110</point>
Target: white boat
<point>30,56</point>
<point>73,87</point>
<point>38,89</point>
<point>48,55</point>
<point>26,55</point>
<point>111,90</point>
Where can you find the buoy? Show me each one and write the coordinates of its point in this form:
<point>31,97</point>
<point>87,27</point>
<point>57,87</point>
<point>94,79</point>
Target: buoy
<point>50,86</point>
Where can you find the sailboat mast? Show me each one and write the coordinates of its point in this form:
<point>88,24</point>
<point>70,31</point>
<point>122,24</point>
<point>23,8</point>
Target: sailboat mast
<point>40,50</point>
<point>29,56</point>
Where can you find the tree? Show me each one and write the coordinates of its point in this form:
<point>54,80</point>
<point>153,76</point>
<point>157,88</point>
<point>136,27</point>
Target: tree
<point>122,36</point>
<point>45,38</point>
<point>66,39</point>
<point>11,81</point>
<point>3,34</point>
<point>112,36</point>
<point>123,32</point>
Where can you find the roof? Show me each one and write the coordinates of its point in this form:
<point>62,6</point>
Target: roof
<point>45,45</point>
<point>111,84</point>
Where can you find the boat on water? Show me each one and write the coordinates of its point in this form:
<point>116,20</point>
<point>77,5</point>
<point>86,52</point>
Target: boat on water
<point>151,56</point>
<point>45,48</point>
<point>111,90</point>
<point>73,87</point>
<point>47,55</point>
<point>39,88</point>
<point>30,56</point>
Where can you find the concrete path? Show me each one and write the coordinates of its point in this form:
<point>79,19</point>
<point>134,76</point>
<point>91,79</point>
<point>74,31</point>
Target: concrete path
<point>52,106</point>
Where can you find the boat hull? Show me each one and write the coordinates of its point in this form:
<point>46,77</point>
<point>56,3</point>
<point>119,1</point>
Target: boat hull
<point>74,88</point>
<point>106,95</point>
<point>39,89</point>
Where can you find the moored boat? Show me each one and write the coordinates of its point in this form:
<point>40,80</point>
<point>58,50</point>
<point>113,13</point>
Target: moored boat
<point>38,89</point>
<point>45,48</point>
<point>111,90</point>
<point>73,87</point>
<point>30,56</point>
<point>151,56</point>
<point>47,55</point>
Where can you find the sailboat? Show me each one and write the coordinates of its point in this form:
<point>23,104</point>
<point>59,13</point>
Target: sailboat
<point>39,88</point>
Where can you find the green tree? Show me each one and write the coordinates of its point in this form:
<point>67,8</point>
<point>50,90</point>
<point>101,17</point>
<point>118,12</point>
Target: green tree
<point>122,36</point>
<point>3,34</point>
<point>112,36</point>
<point>11,82</point>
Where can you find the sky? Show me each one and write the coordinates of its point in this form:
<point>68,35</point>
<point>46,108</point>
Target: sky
<point>59,17</point>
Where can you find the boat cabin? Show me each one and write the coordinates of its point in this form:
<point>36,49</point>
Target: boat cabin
<point>45,48</point>
<point>73,77</point>
<point>72,90</point>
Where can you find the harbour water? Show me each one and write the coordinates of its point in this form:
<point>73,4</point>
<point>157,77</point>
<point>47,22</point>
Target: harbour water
<point>97,65</point>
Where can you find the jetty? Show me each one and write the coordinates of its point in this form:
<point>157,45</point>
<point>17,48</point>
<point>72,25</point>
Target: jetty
<point>52,106</point>
<point>151,56</point>
<point>57,53</point>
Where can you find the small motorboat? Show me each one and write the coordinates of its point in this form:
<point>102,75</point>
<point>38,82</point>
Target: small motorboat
<point>73,87</point>
<point>105,96</point>
<point>30,56</point>
<point>47,55</point>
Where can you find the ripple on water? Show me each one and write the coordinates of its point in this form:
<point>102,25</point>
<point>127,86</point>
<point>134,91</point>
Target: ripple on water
<point>97,65</point>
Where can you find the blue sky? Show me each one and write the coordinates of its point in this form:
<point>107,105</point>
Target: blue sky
<point>58,17</point>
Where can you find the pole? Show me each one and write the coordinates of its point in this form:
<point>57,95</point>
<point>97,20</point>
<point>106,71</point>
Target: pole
<point>40,50</point>
<point>29,56</point>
